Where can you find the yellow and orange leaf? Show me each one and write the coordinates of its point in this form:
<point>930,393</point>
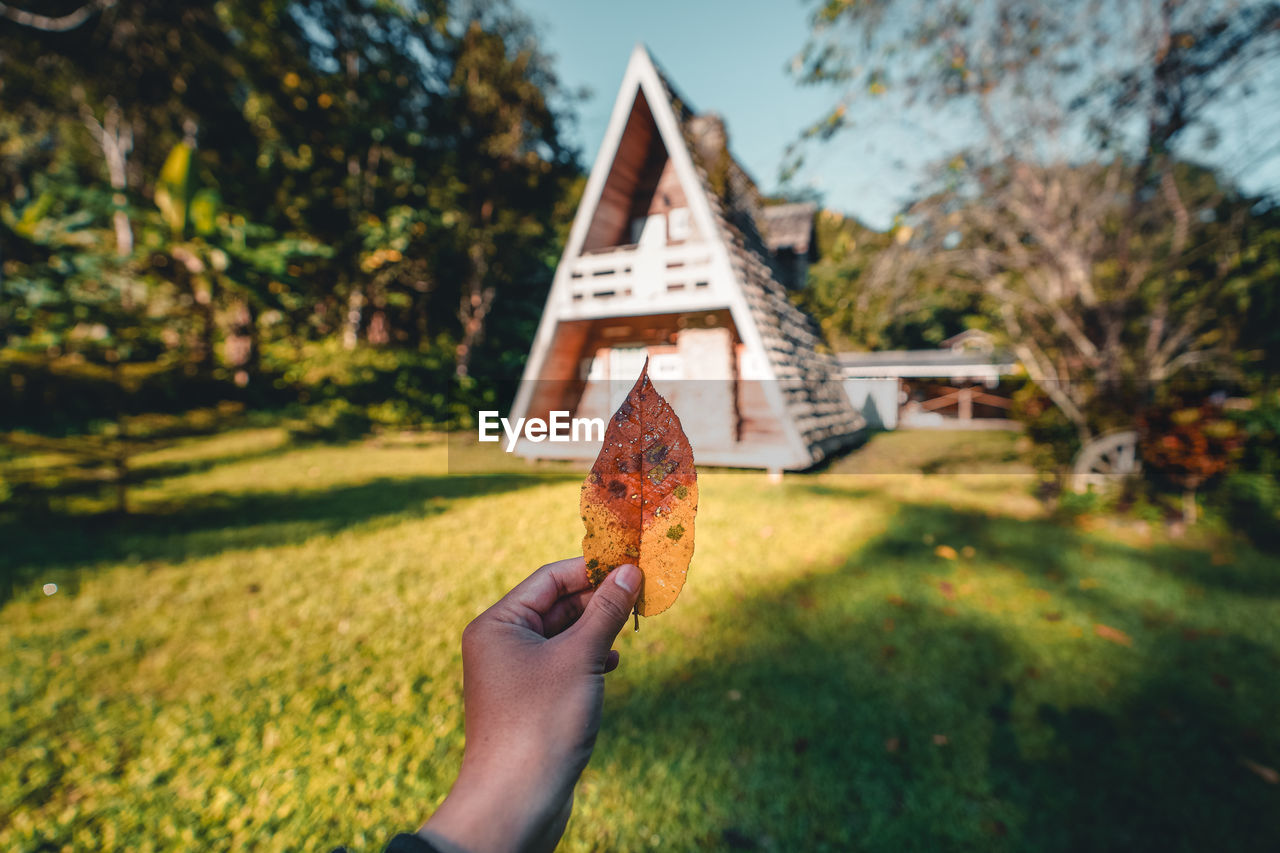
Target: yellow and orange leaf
<point>639,501</point>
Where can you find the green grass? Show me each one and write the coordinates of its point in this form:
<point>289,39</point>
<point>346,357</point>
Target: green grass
<point>266,657</point>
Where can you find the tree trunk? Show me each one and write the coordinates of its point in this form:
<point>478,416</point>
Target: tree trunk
<point>378,332</point>
<point>1190,512</point>
<point>242,342</point>
<point>114,136</point>
<point>474,310</point>
<point>355,316</point>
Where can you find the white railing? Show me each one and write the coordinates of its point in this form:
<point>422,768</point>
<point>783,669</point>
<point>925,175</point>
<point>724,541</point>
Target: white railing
<point>640,273</point>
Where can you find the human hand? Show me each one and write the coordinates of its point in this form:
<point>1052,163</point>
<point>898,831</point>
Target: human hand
<point>533,686</point>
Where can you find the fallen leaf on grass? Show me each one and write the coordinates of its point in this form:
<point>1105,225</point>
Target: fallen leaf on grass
<point>948,591</point>
<point>1265,773</point>
<point>946,552</point>
<point>1114,635</point>
<point>639,501</point>
<point>941,740</point>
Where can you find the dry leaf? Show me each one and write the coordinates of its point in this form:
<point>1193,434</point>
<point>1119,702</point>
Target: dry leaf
<point>946,552</point>
<point>640,499</point>
<point>1265,773</point>
<point>1115,635</point>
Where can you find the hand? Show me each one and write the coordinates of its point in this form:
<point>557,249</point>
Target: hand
<point>533,685</point>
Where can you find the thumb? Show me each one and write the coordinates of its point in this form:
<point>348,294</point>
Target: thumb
<point>608,609</point>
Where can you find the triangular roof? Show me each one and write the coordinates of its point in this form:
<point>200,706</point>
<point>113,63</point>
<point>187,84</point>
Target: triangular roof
<point>802,380</point>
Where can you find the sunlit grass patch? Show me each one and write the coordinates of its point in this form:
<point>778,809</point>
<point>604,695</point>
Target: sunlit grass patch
<point>266,655</point>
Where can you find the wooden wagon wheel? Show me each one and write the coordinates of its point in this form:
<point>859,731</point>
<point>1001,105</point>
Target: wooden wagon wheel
<point>1105,461</point>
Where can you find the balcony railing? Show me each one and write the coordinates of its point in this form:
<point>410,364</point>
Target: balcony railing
<point>640,274</point>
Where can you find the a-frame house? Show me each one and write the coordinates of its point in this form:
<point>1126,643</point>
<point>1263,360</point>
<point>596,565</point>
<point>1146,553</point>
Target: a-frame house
<point>668,259</point>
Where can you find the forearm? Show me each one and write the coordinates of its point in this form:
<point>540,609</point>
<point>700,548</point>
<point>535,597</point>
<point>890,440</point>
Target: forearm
<point>499,811</point>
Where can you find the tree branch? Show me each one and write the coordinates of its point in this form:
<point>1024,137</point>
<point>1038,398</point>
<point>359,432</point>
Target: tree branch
<point>61,24</point>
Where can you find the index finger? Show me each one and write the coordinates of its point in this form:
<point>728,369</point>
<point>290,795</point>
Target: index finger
<point>554,581</point>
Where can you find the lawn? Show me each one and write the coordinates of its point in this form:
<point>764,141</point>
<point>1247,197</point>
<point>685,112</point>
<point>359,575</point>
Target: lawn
<point>265,656</point>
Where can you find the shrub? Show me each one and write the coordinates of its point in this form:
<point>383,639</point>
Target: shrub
<point>1249,496</point>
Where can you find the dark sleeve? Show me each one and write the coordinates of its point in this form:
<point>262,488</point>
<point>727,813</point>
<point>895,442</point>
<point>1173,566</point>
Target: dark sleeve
<point>404,843</point>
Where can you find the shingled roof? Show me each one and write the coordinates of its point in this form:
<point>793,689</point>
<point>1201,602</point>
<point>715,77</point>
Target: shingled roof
<point>789,226</point>
<point>808,374</point>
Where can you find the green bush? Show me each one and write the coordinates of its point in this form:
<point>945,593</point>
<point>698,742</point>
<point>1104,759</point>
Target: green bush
<point>334,421</point>
<point>1249,496</point>
<point>1072,505</point>
<point>1251,503</point>
<point>399,388</point>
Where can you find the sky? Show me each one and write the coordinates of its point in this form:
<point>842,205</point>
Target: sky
<point>731,57</point>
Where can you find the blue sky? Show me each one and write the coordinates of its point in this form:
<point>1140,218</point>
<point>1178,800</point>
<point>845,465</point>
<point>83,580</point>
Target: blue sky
<point>731,58</point>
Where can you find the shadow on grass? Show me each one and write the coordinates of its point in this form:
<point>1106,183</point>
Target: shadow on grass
<point>1062,556</point>
<point>209,524</point>
<point>163,470</point>
<point>821,718</point>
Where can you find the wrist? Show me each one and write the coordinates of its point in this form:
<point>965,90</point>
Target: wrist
<point>496,810</point>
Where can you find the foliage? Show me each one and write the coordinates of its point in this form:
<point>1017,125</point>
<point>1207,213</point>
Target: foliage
<point>1249,495</point>
<point>1056,439</point>
<point>1188,444</point>
<point>866,301</point>
<point>1070,199</point>
<point>269,651</point>
<point>185,185</point>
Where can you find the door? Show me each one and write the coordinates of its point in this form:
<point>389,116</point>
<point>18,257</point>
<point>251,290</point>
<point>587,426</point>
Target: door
<point>625,364</point>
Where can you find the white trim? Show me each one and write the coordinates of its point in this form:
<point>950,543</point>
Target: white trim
<point>581,223</point>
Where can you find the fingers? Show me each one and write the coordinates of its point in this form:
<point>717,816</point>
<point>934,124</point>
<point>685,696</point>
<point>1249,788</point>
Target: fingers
<point>565,612</point>
<point>607,611</point>
<point>535,596</point>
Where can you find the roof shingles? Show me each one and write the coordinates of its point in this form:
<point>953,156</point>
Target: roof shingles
<point>809,377</point>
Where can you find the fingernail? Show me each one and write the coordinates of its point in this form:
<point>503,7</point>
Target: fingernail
<point>628,577</point>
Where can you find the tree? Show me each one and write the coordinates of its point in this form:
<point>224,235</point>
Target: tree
<point>1104,307</point>
<point>1113,262</point>
<point>203,180</point>
<point>866,298</point>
